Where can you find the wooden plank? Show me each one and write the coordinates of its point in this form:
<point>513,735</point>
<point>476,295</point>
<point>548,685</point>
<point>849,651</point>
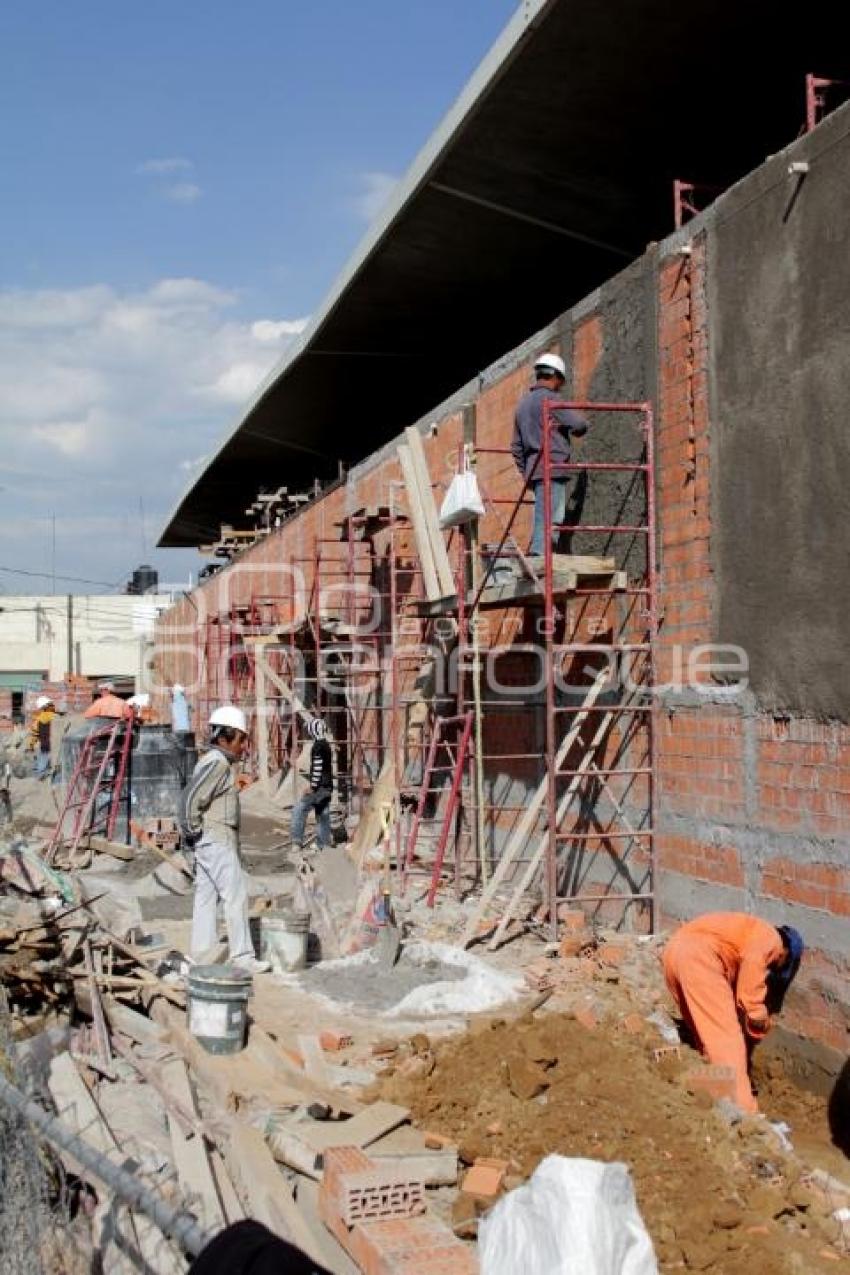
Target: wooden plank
<point>190,1151</point>
<point>314,1059</point>
<point>102,845</point>
<point>430,579</point>
<point>231,1203</point>
<point>265,1193</point>
<point>529,818</point>
<point>262,724</point>
<point>370,1124</point>
<point>445,576</point>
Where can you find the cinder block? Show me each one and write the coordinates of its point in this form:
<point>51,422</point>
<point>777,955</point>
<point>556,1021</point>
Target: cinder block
<point>361,1189</point>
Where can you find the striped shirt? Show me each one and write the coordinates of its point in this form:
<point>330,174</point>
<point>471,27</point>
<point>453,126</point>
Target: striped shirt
<point>212,792</point>
<point>321,766</point>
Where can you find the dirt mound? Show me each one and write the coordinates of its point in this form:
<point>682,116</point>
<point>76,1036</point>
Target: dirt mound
<point>717,1199</point>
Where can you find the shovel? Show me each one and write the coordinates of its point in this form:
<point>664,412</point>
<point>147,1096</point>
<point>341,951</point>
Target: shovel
<point>388,945</point>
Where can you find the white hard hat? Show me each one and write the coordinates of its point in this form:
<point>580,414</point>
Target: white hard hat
<point>106,687</point>
<point>229,715</point>
<point>177,689</point>
<point>551,363</point>
<point>43,701</point>
<point>140,701</point>
<point>316,728</point>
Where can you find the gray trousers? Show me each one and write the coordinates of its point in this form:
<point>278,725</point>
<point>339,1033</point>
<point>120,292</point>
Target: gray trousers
<point>219,878</point>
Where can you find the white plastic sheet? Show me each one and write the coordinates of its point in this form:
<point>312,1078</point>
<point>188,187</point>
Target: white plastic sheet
<point>462,501</point>
<point>572,1217</point>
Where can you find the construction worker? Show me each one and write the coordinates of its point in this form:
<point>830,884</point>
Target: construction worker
<point>108,704</point>
<point>527,444</point>
<point>6,814</point>
<point>318,798</point>
<point>211,825</point>
<point>728,972</point>
<point>41,729</point>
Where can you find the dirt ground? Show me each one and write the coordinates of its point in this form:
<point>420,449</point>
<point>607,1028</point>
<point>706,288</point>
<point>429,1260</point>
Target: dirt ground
<point>717,1199</point>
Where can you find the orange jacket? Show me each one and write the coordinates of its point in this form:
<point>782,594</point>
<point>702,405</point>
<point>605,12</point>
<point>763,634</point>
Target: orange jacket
<point>746,947</point>
<point>109,705</point>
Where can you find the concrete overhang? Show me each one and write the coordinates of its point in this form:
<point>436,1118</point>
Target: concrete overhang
<point>550,173</point>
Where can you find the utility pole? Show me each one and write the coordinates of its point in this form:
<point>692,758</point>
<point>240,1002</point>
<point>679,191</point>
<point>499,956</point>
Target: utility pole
<point>70,623</point>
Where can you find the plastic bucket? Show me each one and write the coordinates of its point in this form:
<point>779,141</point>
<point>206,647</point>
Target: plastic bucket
<point>218,1007</point>
<point>283,940</point>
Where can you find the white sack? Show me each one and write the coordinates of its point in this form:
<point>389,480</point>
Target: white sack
<point>462,501</point>
<point>572,1217</point>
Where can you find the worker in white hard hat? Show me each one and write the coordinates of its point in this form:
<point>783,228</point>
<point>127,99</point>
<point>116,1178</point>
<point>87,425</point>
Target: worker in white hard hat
<point>318,797</point>
<point>550,375</point>
<point>41,733</point>
<point>210,824</point>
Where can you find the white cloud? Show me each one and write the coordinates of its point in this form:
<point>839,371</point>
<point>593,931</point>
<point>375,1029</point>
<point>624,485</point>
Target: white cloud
<point>183,192</point>
<point>172,179</point>
<point>165,167</point>
<point>374,191</point>
<point>103,396</point>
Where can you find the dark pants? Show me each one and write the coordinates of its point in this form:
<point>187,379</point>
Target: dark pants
<point>320,803</point>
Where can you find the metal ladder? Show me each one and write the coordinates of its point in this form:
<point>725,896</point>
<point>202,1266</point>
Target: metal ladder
<point>94,793</point>
<point>458,752</point>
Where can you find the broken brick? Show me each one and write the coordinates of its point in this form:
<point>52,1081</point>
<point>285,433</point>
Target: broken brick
<point>572,920</point>
<point>485,1179</point>
<point>633,1024</point>
<point>334,1041</point>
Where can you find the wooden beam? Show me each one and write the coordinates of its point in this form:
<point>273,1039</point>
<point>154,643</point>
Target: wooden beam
<point>430,579</point>
<point>445,576</point>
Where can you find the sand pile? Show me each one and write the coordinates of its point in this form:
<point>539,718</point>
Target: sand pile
<point>715,1198</point>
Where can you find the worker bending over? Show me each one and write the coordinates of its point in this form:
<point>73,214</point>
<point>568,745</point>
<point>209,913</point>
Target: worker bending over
<point>40,734</point>
<point>727,971</point>
<point>527,444</point>
<point>318,798</point>
<point>211,825</point>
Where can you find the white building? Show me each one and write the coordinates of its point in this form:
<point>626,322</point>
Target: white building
<point>96,635</point>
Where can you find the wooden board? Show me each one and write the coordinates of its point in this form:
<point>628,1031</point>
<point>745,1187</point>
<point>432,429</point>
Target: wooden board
<point>265,1193</point>
<point>445,576</point>
<point>430,579</point>
<point>370,1124</point>
<point>191,1156</point>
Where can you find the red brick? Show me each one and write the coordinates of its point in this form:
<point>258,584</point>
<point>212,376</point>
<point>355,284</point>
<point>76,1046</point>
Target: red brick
<point>410,1247</point>
<point>486,1178</point>
<point>362,1189</point>
<point>334,1041</point>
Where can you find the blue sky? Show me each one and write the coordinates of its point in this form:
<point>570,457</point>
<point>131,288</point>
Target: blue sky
<point>182,183</point>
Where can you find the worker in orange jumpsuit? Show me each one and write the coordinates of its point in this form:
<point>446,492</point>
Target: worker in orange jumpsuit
<point>727,971</point>
<point>108,704</point>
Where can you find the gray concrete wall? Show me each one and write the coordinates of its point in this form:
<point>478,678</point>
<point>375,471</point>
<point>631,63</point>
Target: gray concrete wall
<point>779,300</point>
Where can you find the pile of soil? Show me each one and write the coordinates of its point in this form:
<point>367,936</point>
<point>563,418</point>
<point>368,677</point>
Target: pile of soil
<point>717,1198</point>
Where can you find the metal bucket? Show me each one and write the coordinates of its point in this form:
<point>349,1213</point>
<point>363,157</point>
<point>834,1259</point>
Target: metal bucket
<point>218,1007</point>
<point>283,939</point>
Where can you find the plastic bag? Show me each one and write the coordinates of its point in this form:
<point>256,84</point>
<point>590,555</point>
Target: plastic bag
<point>572,1217</point>
<point>462,501</point>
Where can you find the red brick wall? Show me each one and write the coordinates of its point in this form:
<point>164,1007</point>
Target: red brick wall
<point>752,811</point>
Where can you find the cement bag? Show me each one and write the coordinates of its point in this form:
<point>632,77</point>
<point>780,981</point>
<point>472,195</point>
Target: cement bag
<point>572,1217</point>
<point>462,501</point>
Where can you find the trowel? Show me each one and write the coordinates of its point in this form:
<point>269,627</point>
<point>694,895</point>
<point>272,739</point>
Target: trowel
<point>388,945</point>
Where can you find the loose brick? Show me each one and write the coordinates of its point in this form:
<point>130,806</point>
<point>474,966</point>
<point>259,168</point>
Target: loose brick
<point>414,1246</point>
<point>486,1178</point>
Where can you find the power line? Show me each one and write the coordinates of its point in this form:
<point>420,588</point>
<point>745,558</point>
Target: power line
<point>46,575</point>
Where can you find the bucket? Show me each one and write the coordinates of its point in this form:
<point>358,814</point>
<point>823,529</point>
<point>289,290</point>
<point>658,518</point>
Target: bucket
<point>283,940</point>
<point>218,1007</point>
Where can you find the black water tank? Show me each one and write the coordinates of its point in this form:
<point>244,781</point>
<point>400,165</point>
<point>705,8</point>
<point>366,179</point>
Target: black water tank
<point>145,580</point>
<point>159,769</point>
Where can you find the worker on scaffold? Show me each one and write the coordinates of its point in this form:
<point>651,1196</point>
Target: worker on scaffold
<point>527,444</point>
